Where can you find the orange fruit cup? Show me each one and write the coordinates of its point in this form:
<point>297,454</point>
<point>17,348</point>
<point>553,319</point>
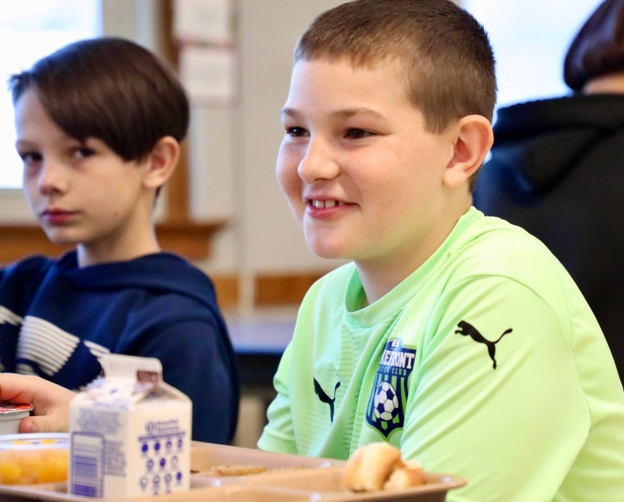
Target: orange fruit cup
<point>33,458</point>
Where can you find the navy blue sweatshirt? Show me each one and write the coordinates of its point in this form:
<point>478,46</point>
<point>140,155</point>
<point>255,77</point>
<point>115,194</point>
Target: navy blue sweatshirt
<point>57,318</point>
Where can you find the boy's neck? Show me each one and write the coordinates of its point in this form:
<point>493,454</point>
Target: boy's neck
<point>89,255</point>
<point>379,278</point>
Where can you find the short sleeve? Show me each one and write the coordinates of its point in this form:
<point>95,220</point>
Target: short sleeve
<point>497,398</point>
<point>278,435</point>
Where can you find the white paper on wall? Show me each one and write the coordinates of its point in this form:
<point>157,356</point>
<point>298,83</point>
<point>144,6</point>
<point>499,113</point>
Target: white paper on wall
<point>209,74</point>
<point>204,21</point>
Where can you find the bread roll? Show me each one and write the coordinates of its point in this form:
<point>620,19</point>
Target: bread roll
<point>370,466</point>
<point>405,476</point>
<point>378,466</point>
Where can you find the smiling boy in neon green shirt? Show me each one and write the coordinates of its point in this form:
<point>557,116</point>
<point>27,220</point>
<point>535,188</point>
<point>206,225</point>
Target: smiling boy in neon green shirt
<point>456,337</point>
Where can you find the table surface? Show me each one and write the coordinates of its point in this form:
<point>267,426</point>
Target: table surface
<point>259,340</point>
<point>265,332</point>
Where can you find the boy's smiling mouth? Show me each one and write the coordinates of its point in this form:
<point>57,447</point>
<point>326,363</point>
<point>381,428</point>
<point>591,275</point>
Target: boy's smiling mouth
<point>324,204</point>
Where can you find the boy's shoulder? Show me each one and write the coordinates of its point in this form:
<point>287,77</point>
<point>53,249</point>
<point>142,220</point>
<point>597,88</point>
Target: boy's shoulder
<point>30,266</point>
<point>490,246</point>
<point>165,275</point>
<point>22,279</point>
<point>495,237</point>
<point>478,246</point>
<point>157,271</point>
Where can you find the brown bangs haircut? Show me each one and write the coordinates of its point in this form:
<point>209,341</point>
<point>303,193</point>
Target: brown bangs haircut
<point>111,89</point>
<point>449,63</point>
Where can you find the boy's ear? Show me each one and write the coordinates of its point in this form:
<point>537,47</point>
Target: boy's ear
<point>473,139</point>
<point>162,161</point>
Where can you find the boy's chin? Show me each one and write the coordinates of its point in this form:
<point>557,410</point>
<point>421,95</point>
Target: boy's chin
<point>59,239</point>
<point>324,250</point>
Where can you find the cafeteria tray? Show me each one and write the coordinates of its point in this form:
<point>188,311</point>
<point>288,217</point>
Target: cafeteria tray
<point>288,478</point>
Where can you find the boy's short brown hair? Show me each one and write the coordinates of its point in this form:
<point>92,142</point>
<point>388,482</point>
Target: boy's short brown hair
<point>111,89</point>
<point>446,53</point>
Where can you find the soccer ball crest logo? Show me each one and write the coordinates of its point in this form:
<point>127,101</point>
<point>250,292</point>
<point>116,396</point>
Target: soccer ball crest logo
<point>387,396</point>
<point>386,402</point>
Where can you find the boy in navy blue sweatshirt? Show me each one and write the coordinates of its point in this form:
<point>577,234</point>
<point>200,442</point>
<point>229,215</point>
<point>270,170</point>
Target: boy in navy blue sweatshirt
<point>99,125</point>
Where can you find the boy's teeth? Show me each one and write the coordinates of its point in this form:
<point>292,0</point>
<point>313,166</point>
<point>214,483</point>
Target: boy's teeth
<point>324,204</point>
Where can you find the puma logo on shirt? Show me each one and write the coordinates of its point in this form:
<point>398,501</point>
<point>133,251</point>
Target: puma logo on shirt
<point>325,398</point>
<point>467,329</point>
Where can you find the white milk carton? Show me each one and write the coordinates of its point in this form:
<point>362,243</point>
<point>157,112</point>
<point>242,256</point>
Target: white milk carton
<point>130,433</point>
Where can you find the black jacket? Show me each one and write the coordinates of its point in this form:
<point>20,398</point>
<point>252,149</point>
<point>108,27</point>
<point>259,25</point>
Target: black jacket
<point>557,169</point>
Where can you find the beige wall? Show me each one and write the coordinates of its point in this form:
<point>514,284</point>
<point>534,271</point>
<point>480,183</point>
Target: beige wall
<point>233,149</point>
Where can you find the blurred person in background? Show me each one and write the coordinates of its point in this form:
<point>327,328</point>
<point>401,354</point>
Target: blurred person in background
<point>556,165</point>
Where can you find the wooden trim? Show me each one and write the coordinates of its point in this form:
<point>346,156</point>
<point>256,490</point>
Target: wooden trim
<point>283,289</point>
<point>168,45</point>
<point>191,240</point>
<point>227,289</point>
<point>18,241</point>
<point>270,290</point>
<point>177,188</point>
<point>176,194</point>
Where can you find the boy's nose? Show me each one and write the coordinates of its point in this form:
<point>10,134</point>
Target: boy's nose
<point>318,163</point>
<point>50,179</point>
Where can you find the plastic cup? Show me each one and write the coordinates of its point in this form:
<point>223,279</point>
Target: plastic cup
<point>11,415</point>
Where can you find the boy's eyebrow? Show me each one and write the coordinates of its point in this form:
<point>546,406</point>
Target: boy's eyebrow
<point>347,112</point>
<point>24,143</point>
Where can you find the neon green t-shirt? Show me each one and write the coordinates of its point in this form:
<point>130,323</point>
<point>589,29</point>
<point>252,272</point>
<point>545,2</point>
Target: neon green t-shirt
<point>486,363</point>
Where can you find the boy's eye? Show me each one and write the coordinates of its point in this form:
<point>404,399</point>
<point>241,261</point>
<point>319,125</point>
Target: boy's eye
<point>30,157</point>
<point>357,133</point>
<point>82,152</point>
<point>296,132</point>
